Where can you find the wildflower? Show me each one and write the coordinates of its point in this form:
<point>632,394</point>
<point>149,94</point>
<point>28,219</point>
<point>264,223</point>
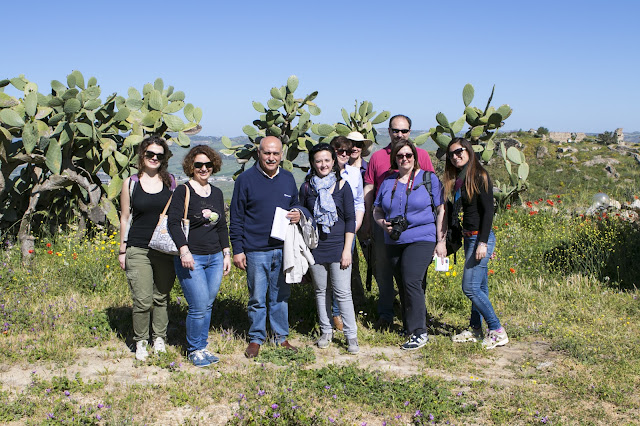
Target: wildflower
<point>417,414</point>
<point>327,387</point>
<point>48,244</point>
<point>30,251</point>
<point>66,393</point>
<point>406,403</point>
<point>261,392</point>
<point>508,206</point>
<point>100,405</point>
<point>274,406</point>
<point>550,202</point>
<point>50,251</point>
<point>513,271</point>
<point>58,254</point>
<point>447,273</point>
<point>98,417</point>
<point>276,415</point>
<point>454,273</point>
<point>430,416</point>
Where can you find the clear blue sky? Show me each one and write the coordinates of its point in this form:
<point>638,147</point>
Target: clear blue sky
<point>565,65</point>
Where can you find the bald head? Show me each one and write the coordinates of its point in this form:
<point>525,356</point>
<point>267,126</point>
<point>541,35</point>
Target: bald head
<point>270,154</point>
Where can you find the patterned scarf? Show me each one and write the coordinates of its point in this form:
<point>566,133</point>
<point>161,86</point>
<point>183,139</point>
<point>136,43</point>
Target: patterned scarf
<point>324,211</point>
<point>460,183</point>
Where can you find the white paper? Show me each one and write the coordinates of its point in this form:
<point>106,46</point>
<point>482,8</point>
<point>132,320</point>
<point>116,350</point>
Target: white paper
<point>442,263</point>
<point>280,223</point>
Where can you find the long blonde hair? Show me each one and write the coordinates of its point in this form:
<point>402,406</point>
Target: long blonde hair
<point>475,175</point>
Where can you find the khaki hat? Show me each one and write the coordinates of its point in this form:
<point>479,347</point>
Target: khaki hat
<point>357,137</point>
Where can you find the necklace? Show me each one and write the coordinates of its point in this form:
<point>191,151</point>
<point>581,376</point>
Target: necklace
<point>202,190</point>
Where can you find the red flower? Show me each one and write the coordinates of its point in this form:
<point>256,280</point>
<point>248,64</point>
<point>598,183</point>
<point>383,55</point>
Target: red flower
<point>30,251</point>
<point>508,206</point>
<point>50,252</point>
<point>513,271</point>
<point>558,196</point>
<point>550,202</point>
<point>491,272</point>
<point>535,202</point>
<point>532,212</point>
<point>506,224</point>
<point>48,244</point>
<point>559,201</point>
<point>529,204</point>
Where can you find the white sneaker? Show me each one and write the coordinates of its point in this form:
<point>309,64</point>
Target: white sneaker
<point>495,338</point>
<point>141,350</point>
<point>469,335</point>
<point>159,346</point>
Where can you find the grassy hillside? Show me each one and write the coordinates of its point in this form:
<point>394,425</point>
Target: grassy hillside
<point>564,285</point>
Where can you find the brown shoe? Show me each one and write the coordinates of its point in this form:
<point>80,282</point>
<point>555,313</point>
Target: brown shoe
<point>252,350</point>
<point>288,346</point>
<point>337,322</point>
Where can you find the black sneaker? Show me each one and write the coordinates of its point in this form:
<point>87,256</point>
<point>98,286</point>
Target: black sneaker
<point>416,341</point>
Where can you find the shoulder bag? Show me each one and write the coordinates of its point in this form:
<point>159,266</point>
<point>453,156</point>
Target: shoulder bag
<point>161,239</point>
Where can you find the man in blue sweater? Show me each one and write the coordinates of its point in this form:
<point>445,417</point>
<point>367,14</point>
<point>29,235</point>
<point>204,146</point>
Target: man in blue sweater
<point>256,194</point>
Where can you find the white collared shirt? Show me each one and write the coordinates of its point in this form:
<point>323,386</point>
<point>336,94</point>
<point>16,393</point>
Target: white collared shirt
<point>353,176</point>
<point>265,173</point>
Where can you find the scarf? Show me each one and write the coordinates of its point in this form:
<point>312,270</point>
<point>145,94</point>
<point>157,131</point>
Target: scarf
<point>457,188</point>
<point>324,210</point>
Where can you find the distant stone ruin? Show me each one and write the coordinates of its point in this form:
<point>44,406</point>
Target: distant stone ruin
<point>566,137</point>
<point>619,135</point>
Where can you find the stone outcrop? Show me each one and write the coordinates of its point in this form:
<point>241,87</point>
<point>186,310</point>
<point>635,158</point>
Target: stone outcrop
<point>597,159</point>
<point>542,152</point>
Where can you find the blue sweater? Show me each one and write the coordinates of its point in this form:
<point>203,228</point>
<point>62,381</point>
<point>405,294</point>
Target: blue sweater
<point>255,198</point>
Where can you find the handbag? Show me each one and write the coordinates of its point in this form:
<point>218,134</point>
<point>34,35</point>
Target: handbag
<point>161,239</point>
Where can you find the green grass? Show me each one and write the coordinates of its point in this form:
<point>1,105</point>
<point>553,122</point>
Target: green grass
<point>564,286</point>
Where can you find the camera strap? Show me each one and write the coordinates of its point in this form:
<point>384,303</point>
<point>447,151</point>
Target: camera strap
<point>408,191</point>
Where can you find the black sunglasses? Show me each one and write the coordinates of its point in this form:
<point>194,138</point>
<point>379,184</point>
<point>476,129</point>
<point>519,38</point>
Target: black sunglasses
<point>358,144</point>
<point>150,154</point>
<point>403,131</point>
<point>408,156</point>
<point>198,165</point>
<point>341,151</point>
<point>457,152</point>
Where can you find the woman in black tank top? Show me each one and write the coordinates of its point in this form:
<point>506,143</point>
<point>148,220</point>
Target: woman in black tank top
<point>150,273</point>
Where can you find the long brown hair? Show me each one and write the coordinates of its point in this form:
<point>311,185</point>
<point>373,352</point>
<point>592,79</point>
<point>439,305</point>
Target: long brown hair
<point>164,164</point>
<point>475,175</point>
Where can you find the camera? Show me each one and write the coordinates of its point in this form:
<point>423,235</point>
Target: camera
<point>398,225</point>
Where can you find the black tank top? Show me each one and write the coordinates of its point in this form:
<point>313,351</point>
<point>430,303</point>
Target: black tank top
<point>146,212</point>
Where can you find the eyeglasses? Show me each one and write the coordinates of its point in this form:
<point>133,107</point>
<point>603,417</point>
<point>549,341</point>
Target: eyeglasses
<point>198,165</point>
<point>408,156</point>
<point>342,151</point>
<point>457,152</point>
<point>358,144</point>
<point>150,154</point>
<point>403,131</point>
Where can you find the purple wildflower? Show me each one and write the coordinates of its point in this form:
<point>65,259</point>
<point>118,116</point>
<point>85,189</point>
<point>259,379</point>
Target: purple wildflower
<point>406,403</point>
<point>274,406</point>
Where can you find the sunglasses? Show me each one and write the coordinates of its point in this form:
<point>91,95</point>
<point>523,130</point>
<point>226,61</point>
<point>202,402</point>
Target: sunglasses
<point>358,145</point>
<point>198,165</point>
<point>403,131</point>
<point>408,156</point>
<point>457,152</point>
<point>150,154</point>
<point>341,151</point>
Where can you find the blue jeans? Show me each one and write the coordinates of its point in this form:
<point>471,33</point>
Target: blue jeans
<point>200,288</point>
<point>475,283</point>
<point>265,280</point>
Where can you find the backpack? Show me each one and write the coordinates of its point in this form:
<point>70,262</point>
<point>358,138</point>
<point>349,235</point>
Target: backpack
<point>454,226</point>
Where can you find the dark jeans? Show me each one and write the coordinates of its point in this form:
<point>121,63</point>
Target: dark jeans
<point>409,263</point>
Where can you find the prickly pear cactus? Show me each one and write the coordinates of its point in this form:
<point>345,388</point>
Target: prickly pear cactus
<point>362,120</point>
<point>284,116</point>
<point>482,130</point>
<point>55,146</point>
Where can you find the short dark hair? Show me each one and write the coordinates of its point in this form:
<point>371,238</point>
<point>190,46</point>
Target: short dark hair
<point>214,157</point>
<point>341,142</point>
<point>164,163</point>
<point>323,147</point>
<point>400,116</point>
<point>401,144</point>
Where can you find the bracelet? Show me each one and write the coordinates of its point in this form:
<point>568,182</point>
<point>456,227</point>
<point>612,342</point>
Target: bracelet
<point>184,254</point>
<point>226,253</point>
<point>123,252</point>
<point>482,244</point>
